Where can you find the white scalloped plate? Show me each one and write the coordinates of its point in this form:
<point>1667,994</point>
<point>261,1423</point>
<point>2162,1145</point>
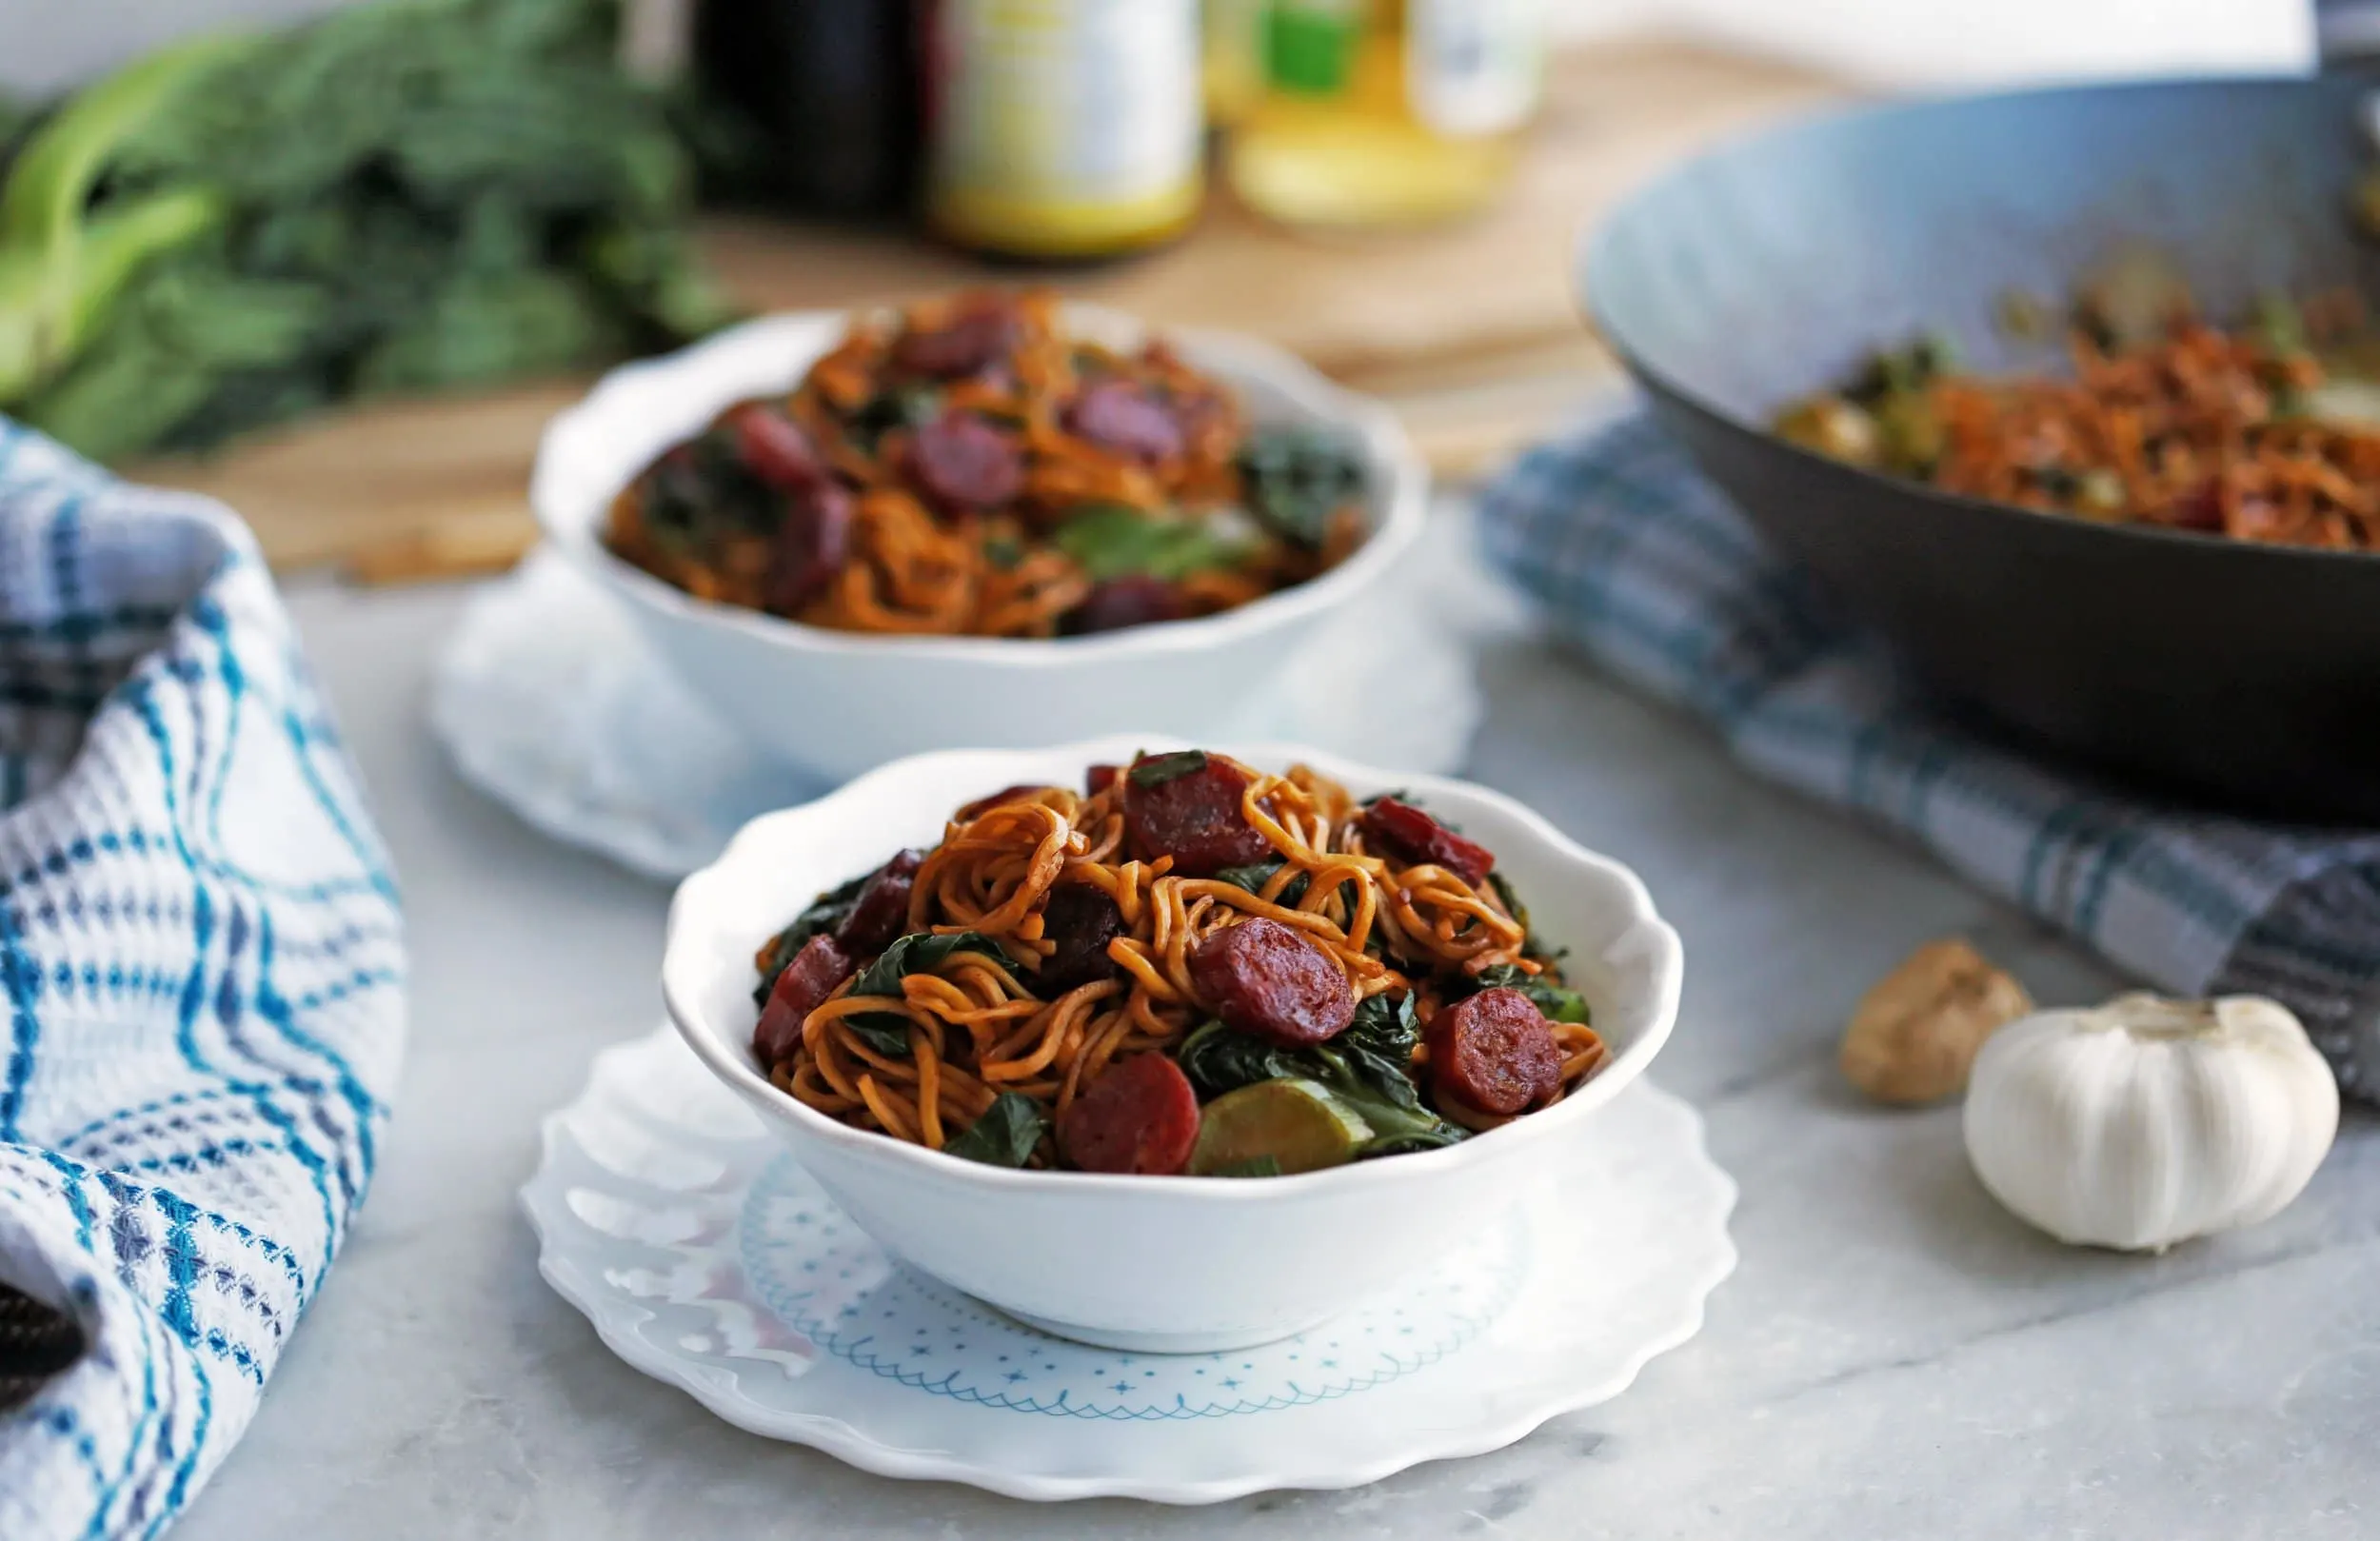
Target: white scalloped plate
<point>707,1258</point>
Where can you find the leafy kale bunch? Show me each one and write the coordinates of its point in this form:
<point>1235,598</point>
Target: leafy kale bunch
<point>404,196</point>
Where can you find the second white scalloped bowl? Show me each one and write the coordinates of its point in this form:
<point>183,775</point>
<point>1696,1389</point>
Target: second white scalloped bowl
<point>1158,1264</point>
<point>839,701</point>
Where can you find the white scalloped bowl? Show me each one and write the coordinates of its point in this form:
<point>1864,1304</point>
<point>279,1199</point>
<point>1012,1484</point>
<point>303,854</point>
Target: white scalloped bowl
<point>1157,1264</point>
<point>837,702</point>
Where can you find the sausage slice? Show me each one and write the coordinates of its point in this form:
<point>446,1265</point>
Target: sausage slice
<point>1187,805</point>
<point>1404,831</point>
<point>1118,415</point>
<point>962,461</point>
<point>812,545</point>
<point>881,911</point>
<point>801,988</point>
<point>773,447</point>
<point>1265,977</point>
<point>1494,1052</point>
<point>1140,1117</point>
<point>1081,920</point>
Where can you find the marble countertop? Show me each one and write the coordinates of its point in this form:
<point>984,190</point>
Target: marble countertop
<point>1895,1357</point>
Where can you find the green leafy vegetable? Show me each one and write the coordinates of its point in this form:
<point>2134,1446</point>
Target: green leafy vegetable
<point>1379,1046</point>
<point>903,407</point>
<point>1532,945</point>
<point>921,952</point>
<point>826,915</point>
<point>706,493</point>
<point>1253,878</point>
<point>1255,1166</point>
<point>1115,541</point>
<point>1905,370</point>
<point>1159,769</point>
<point>1006,1133</point>
<point>2279,325</point>
<point>1556,1002</point>
<point>400,196</point>
<point>1295,478</point>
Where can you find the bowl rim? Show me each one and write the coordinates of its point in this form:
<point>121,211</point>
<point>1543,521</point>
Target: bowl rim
<point>1665,965</point>
<point>1590,292</point>
<point>1402,498</point>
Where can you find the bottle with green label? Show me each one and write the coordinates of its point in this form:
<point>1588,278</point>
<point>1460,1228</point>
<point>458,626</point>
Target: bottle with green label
<point>1387,113</point>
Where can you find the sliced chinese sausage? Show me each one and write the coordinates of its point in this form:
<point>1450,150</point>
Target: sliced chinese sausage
<point>1136,599</point>
<point>1404,831</point>
<point>1188,805</point>
<point>802,986</point>
<point>773,447</point>
<point>882,912</point>
<point>1140,1117</point>
<point>812,544</point>
<point>1118,415</point>
<point>1494,1052</point>
<point>1265,977</point>
<point>966,344</point>
<point>962,461</point>
<point>1081,920</point>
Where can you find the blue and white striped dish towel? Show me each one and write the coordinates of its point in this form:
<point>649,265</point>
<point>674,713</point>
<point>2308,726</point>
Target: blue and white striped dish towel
<point>1646,568</point>
<point>201,975</point>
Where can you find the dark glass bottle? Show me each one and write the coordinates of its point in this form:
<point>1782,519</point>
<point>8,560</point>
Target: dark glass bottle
<point>826,93</point>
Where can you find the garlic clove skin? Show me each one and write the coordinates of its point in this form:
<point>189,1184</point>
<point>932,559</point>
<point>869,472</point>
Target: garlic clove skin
<point>2147,1121</point>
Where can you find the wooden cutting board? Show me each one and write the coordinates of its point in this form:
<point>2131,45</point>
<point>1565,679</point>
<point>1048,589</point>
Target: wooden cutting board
<point>1471,331</point>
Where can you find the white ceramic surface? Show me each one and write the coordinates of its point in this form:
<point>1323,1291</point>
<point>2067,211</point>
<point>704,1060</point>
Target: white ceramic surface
<point>1162,1264</point>
<point>550,699</point>
<point>709,1258</point>
<point>837,702</point>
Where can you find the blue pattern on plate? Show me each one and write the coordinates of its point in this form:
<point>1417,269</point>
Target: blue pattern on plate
<point>823,1276</point>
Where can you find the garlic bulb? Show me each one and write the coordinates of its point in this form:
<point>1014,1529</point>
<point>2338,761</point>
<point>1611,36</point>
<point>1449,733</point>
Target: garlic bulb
<point>2147,1121</point>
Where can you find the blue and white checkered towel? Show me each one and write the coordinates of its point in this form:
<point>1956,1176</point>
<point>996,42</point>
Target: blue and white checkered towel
<point>200,994</point>
<point>1645,567</point>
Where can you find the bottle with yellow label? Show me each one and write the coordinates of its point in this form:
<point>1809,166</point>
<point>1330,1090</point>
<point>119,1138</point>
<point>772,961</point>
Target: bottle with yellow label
<point>1388,112</point>
<point>1063,129</point>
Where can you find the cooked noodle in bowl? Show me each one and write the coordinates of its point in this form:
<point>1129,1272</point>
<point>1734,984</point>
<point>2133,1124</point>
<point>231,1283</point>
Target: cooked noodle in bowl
<point>1062,1222</point>
<point>1364,982</point>
<point>1034,619</point>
